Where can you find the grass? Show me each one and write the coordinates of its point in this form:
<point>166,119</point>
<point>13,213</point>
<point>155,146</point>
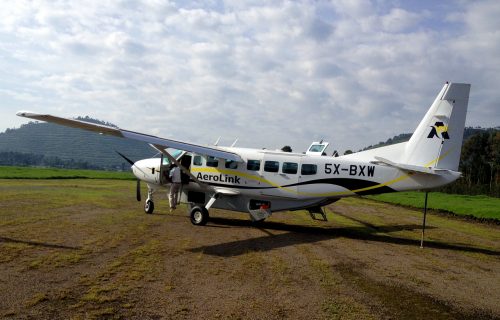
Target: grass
<point>8,172</point>
<point>476,206</point>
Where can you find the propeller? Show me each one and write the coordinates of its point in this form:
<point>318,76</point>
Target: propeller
<point>138,188</point>
<point>126,159</point>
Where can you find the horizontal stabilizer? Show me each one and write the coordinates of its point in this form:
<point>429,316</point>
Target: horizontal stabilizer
<point>413,168</point>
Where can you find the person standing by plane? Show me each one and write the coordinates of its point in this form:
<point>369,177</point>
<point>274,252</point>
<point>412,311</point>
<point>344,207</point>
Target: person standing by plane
<point>175,176</point>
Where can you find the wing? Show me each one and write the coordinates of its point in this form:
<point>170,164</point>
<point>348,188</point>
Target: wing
<point>117,132</point>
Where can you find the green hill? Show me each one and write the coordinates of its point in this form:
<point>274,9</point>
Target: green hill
<point>49,144</point>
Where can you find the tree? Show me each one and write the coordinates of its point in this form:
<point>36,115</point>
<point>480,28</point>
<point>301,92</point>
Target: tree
<point>348,152</point>
<point>286,149</point>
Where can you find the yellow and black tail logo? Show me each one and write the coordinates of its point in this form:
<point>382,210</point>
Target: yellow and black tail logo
<point>439,128</point>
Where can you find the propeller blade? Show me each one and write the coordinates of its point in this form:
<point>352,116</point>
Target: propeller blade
<point>138,190</point>
<point>126,159</point>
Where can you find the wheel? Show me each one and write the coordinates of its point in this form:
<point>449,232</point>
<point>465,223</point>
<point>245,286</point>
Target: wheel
<point>199,216</point>
<point>149,207</point>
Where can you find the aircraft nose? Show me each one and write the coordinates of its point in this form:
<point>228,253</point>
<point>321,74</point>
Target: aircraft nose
<point>138,169</point>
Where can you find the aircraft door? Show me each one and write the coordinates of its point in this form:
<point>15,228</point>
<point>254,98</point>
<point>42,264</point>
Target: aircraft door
<point>164,170</point>
<point>185,161</point>
<point>283,174</point>
<point>308,172</point>
<point>166,165</point>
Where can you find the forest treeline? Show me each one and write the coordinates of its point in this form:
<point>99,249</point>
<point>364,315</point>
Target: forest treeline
<point>11,158</point>
<point>479,164</point>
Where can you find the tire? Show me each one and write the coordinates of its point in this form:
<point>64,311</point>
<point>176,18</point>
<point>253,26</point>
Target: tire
<point>149,207</point>
<point>199,216</point>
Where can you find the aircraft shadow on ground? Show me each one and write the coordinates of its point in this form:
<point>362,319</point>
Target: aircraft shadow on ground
<point>298,234</point>
<point>37,244</point>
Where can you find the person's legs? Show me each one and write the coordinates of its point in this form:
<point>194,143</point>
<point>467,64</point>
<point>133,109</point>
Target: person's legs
<point>173,194</point>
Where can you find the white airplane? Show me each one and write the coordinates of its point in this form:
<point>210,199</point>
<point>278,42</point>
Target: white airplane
<point>261,182</point>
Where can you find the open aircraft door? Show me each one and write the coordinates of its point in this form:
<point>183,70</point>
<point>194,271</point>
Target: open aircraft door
<point>166,166</point>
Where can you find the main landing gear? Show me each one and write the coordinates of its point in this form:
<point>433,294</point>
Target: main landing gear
<point>199,214</point>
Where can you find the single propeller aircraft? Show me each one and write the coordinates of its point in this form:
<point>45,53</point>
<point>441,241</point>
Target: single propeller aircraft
<point>261,182</point>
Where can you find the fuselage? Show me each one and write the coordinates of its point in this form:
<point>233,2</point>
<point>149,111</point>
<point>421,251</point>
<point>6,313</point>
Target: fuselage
<point>291,180</point>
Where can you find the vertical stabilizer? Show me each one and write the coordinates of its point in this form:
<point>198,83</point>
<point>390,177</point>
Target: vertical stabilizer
<point>437,141</point>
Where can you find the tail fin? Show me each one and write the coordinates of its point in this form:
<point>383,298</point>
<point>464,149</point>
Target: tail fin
<point>437,141</point>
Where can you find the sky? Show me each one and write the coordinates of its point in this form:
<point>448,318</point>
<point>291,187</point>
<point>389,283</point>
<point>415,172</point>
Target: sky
<point>270,73</point>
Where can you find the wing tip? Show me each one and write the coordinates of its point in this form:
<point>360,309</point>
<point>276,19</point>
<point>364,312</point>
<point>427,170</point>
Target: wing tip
<point>26,114</point>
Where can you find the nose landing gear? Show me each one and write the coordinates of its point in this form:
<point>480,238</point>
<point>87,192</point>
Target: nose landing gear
<point>149,206</point>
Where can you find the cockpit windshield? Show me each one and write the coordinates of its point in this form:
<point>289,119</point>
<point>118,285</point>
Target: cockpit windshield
<point>176,154</point>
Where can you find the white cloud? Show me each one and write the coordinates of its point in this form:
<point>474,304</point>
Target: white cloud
<point>398,20</point>
<point>353,72</point>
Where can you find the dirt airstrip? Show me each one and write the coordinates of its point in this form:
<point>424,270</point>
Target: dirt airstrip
<point>83,249</point>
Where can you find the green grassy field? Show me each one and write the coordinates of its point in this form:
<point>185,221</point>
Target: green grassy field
<point>7,172</point>
<point>476,206</point>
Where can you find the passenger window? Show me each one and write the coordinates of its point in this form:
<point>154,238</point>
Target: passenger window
<point>290,167</point>
<point>271,166</point>
<point>308,169</point>
<point>253,165</point>
<point>212,162</point>
<point>230,164</point>
<point>197,161</point>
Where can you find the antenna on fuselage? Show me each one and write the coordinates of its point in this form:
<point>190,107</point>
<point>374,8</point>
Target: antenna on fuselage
<point>217,141</point>
<point>234,143</point>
